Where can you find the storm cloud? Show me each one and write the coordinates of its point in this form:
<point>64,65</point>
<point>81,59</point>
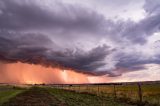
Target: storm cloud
<point>59,34</point>
<point>38,49</point>
<point>31,15</point>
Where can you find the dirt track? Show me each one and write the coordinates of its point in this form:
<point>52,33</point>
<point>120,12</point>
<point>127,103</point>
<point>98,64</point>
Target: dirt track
<point>34,97</point>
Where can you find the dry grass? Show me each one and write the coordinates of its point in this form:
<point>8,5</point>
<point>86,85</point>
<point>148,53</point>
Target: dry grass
<point>127,93</point>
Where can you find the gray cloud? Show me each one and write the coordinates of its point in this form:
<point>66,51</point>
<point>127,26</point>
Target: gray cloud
<point>138,32</point>
<point>152,8</point>
<point>30,15</point>
<point>38,34</point>
<point>38,49</point>
<point>17,44</point>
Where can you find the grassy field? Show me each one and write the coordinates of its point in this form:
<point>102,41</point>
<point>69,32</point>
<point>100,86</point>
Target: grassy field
<point>35,96</point>
<point>80,95</point>
<point>7,92</point>
<point>83,99</point>
<point>48,96</point>
<point>127,93</point>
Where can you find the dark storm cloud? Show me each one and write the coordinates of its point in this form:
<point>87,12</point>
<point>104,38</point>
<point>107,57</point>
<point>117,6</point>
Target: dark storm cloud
<point>29,32</point>
<point>135,62</point>
<point>30,15</point>
<point>138,32</point>
<point>29,48</point>
<point>19,46</point>
<point>85,62</point>
<point>17,17</point>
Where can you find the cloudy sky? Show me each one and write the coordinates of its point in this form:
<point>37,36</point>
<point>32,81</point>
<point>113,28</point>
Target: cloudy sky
<point>110,38</point>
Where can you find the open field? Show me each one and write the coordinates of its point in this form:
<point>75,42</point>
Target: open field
<point>148,94</point>
<point>7,92</point>
<point>81,95</point>
<point>84,99</point>
<point>35,96</point>
<point>48,96</point>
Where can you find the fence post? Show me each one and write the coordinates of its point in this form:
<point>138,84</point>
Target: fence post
<point>87,87</point>
<point>139,92</point>
<point>98,89</point>
<point>115,95</point>
<point>79,89</point>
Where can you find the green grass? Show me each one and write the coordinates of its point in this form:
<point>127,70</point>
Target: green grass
<point>127,93</point>
<point>35,96</point>
<point>83,99</point>
<point>7,92</point>
<point>89,95</point>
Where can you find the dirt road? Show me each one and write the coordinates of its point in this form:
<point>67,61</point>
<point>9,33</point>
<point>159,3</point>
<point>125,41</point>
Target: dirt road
<point>34,97</point>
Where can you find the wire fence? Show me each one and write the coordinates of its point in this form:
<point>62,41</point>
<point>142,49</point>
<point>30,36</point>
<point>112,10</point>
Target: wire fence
<point>132,93</point>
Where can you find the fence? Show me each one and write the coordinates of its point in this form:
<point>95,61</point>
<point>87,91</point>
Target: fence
<point>134,93</point>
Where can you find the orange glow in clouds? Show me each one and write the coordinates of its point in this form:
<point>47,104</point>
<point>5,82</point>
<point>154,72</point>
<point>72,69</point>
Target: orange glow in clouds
<point>24,73</point>
<point>37,74</point>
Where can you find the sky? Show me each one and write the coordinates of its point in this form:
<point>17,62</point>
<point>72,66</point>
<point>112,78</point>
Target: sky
<point>99,40</point>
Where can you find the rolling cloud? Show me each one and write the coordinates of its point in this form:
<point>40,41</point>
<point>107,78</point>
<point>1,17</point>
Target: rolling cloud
<point>74,36</point>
